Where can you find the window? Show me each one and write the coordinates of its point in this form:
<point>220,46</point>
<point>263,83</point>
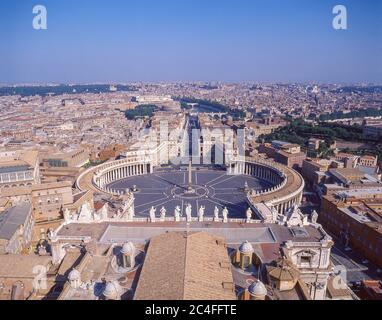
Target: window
<point>246,261</point>
<point>305,260</point>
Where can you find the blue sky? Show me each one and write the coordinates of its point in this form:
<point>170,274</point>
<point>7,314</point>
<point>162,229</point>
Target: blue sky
<point>189,40</point>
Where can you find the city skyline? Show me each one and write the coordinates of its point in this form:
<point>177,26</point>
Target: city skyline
<point>121,42</point>
<point>194,152</point>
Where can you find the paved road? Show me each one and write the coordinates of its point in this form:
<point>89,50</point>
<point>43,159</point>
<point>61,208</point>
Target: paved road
<point>356,269</point>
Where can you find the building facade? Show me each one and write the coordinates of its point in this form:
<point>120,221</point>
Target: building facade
<point>16,228</point>
<point>19,169</point>
<point>355,217</point>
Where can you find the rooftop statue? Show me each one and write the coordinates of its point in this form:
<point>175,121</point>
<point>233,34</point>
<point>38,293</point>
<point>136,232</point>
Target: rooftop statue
<point>216,214</point>
<point>189,212</point>
<point>131,213</point>
<point>249,214</point>
<point>314,217</point>
<point>177,213</point>
<point>201,213</point>
<point>152,214</point>
<point>163,212</point>
<point>104,212</point>
<point>225,214</point>
<point>67,215</point>
<point>275,214</point>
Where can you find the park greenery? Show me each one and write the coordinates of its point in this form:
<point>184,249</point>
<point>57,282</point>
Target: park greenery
<point>363,113</point>
<point>299,132</point>
<point>91,163</point>
<point>211,106</point>
<point>140,111</point>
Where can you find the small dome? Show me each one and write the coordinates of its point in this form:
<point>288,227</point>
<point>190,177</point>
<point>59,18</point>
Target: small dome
<point>257,289</point>
<point>74,275</point>
<point>112,290</point>
<point>246,247</point>
<point>128,248</point>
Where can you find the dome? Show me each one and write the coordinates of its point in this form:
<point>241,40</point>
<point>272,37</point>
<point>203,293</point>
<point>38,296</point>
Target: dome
<point>246,247</point>
<point>74,275</point>
<point>257,289</point>
<point>283,271</point>
<point>128,248</point>
<point>112,290</point>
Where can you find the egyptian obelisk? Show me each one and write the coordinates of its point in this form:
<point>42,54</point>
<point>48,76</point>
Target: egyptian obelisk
<point>190,176</point>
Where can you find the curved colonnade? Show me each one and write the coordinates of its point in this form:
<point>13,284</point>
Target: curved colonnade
<point>286,192</point>
<point>288,184</point>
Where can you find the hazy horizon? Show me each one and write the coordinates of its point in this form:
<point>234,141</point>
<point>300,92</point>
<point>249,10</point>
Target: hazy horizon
<point>38,84</point>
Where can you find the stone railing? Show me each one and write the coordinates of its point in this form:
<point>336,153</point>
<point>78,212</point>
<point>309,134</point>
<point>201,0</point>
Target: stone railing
<point>165,220</point>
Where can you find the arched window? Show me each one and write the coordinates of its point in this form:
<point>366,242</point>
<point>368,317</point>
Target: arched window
<point>246,261</point>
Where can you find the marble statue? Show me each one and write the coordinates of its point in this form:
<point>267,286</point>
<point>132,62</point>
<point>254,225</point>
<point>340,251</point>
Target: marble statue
<point>177,213</point>
<point>216,214</point>
<point>163,212</point>
<point>67,215</point>
<point>314,217</point>
<point>42,250</point>
<point>201,213</point>
<point>189,212</point>
<point>249,214</point>
<point>131,214</point>
<point>119,213</point>
<point>275,215</point>
<point>225,214</point>
<point>52,235</point>
<point>152,214</point>
<point>126,206</point>
<point>104,212</point>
